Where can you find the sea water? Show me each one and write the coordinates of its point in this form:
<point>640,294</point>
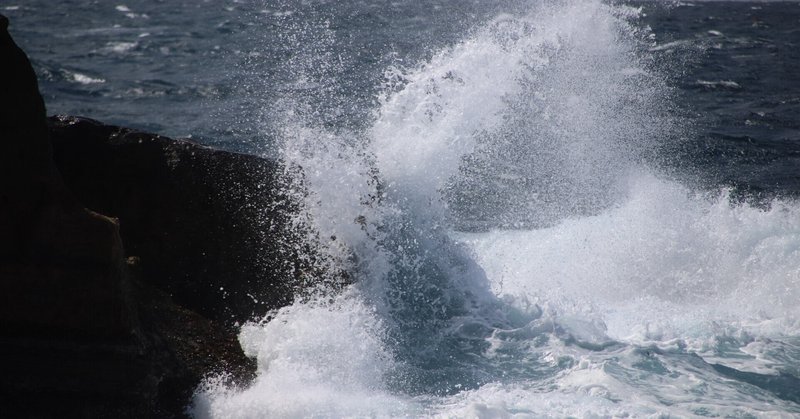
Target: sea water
<point>599,284</point>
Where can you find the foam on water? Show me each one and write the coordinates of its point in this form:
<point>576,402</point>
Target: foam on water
<point>84,79</point>
<point>686,284</point>
<point>620,292</point>
<point>336,370</point>
<point>664,249</point>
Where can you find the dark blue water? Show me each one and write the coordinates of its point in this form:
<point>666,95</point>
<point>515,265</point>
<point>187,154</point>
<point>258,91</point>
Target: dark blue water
<point>556,208</point>
<point>214,70</point>
<point>736,75</point>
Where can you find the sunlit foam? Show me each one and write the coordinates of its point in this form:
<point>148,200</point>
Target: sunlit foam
<point>601,287</point>
<point>664,257</point>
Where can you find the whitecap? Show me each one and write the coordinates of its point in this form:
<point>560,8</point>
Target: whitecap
<point>670,45</point>
<point>84,79</point>
<point>726,84</point>
<point>121,47</point>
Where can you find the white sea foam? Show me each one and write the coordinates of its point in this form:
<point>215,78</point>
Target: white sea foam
<point>84,79</point>
<point>121,47</point>
<point>604,388</point>
<point>728,84</point>
<point>336,370</point>
<point>663,250</point>
<point>683,43</point>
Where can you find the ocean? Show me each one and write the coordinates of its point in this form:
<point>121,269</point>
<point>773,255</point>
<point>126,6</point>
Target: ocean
<point>558,208</point>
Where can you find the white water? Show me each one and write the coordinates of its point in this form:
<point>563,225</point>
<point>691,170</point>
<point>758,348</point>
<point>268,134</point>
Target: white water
<point>617,304</point>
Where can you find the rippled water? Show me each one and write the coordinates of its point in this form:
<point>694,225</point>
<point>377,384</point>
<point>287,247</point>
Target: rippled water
<point>559,208</point>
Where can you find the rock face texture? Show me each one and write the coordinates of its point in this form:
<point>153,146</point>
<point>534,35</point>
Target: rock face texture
<point>122,314</point>
<point>208,226</point>
<point>46,236</point>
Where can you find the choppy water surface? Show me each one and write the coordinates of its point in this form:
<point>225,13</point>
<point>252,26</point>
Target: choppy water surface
<point>559,208</point>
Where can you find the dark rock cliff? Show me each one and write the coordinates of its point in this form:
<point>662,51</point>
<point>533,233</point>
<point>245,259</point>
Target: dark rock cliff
<point>207,226</point>
<point>122,314</point>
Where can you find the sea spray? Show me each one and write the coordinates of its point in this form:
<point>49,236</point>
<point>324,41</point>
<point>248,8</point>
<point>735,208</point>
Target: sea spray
<point>600,310</point>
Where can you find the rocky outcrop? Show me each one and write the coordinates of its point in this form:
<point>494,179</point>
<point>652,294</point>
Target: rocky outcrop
<point>121,315</point>
<point>57,259</point>
<point>209,227</point>
<point>149,371</point>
